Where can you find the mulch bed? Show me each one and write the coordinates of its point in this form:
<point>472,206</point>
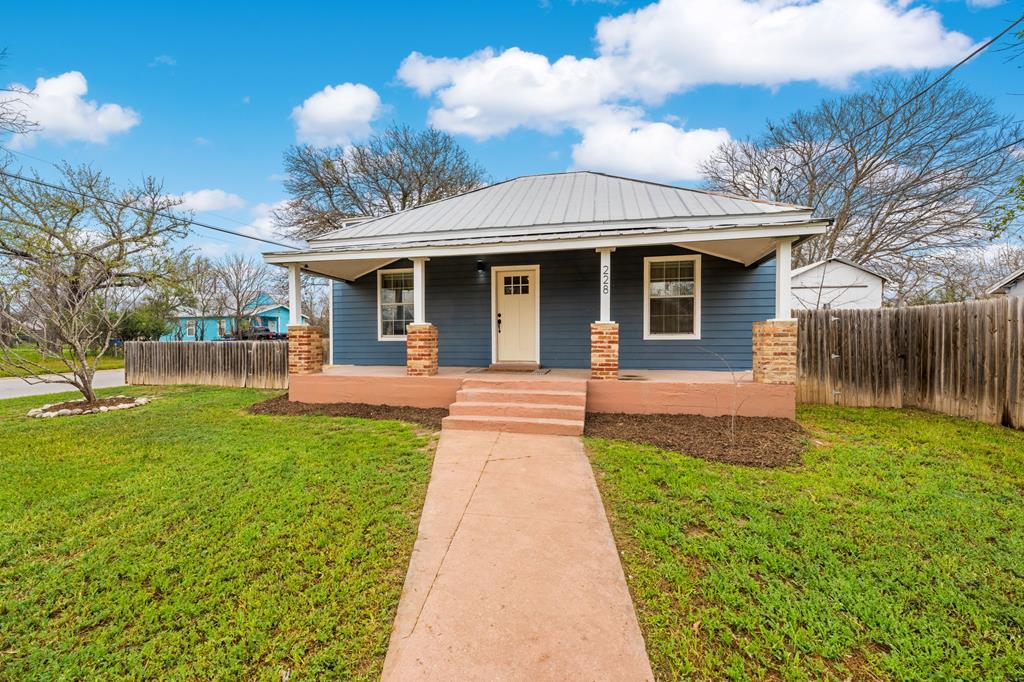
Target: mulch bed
<point>75,407</point>
<point>757,441</point>
<point>82,405</point>
<point>427,416</point>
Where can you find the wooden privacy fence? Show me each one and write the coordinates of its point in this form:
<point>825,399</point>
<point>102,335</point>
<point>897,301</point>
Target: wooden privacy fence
<point>963,359</point>
<point>251,364</point>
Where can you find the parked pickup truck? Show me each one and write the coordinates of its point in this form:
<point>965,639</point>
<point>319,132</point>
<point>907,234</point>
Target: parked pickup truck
<point>261,334</point>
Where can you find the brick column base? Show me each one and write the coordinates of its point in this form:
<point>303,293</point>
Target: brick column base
<point>305,349</point>
<point>774,347</point>
<point>421,350</point>
<point>604,350</point>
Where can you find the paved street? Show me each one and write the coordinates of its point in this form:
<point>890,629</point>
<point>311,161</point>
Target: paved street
<point>13,387</point>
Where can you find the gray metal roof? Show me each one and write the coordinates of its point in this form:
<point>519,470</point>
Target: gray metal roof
<point>560,202</point>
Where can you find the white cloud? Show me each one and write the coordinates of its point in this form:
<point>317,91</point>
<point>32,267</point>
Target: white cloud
<point>488,94</point>
<point>214,249</point>
<point>670,46</point>
<point>338,114</point>
<point>638,148</point>
<point>164,60</point>
<point>59,107</point>
<point>984,4</point>
<point>675,44</point>
<point>210,200</point>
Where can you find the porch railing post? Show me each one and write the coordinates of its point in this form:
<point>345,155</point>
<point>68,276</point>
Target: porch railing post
<point>294,294</point>
<point>604,334</point>
<point>783,279</point>
<point>420,336</point>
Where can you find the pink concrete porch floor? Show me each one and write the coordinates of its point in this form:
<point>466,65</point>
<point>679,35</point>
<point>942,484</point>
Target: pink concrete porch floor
<point>514,575</point>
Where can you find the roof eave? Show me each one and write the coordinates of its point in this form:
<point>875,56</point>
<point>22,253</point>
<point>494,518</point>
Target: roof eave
<point>802,229</point>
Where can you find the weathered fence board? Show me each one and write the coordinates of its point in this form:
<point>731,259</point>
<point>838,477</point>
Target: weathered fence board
<point>246,364</point>
<point>963,359</point>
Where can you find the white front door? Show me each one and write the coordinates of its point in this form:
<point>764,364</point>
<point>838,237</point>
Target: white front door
<point>516,297</point>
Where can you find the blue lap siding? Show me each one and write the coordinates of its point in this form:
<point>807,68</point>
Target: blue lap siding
<point>459,304</point>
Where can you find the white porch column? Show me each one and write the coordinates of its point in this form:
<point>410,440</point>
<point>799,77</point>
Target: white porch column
<point>419,294</point>
<point>783,278</point>
<point>605,284</point>
<point>294,294</point>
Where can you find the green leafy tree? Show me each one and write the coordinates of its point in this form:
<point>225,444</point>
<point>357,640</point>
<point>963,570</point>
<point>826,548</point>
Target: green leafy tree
<point>148,321</point>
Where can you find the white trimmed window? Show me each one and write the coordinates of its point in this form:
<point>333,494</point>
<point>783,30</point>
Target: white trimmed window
<point>672,297</point>
<point>190,328</point>
<point>394,303</point>
<point>222,328</point>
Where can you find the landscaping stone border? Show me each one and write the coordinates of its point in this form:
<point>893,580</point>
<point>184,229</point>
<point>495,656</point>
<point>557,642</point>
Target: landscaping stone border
<point>44,412</point>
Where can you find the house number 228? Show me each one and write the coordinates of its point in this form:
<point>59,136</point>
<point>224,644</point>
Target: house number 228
<point>606,279</point>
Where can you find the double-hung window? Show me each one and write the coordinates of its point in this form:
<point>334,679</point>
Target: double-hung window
<point>672,297</point>
<point>394,303</point>
<point>190,328</point>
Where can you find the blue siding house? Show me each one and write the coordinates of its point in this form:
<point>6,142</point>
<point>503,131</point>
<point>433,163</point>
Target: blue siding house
<point>540,271</point>
<point>188,325</point>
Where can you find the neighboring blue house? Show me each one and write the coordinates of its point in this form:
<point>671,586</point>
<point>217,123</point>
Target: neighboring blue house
<point>265,312</point>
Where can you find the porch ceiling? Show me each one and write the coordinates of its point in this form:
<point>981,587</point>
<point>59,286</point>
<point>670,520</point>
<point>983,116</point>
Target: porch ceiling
<point>746,251</point>
<point>346,270</point>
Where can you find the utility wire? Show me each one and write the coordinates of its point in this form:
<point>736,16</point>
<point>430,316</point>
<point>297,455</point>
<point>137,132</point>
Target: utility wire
<point>903,105</point>
<point>51,163</point>
<point>978,50</point>
<point>161,214</point>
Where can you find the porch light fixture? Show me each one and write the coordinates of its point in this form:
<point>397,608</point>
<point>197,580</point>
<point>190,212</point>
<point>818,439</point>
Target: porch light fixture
<point>480,267</point>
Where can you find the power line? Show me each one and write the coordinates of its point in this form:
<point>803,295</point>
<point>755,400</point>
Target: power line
<point>161,214</point>
<point>51,163</point>
<point>978,50</point>
<point>903,105</point>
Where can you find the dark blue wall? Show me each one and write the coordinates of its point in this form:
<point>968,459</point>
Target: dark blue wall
<point>459,304</point>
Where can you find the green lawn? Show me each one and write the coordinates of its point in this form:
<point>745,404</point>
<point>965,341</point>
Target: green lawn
<point>189,540</point>
<point>895,552</point>
<point>32,354</point>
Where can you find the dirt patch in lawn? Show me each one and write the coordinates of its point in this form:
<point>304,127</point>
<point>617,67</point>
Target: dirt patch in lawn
<point>427,416</point>
<point>755,441</point>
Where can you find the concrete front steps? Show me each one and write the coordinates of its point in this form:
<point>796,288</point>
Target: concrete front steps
<point>518,405</point>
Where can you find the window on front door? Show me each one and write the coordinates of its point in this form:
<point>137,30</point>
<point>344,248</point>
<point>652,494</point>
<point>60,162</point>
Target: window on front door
<point>394,302</point>
<point>672,297</point>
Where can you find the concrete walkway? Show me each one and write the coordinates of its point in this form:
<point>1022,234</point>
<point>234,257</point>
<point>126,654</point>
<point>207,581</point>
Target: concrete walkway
<point>515,575</point>
<point>13,387</point>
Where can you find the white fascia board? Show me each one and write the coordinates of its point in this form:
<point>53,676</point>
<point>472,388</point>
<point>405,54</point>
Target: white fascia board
<point>552,244</point>
<point>787,217</point>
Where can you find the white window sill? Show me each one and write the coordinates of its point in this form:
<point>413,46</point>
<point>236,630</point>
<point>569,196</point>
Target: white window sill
<point>392,338</point>
<point>671,337</point>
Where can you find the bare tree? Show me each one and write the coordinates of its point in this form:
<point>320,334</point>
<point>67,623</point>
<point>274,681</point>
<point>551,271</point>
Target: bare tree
<point>965,274</point>
<point>243,280</point>
<point>315,297</point>
<point>899,190</point>
<point>75,260</point>
<point>203,293</point>
<point>395,170</point>
<point>13,110</point>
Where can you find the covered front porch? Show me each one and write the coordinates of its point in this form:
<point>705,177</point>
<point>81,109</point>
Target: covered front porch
<point>657,299</point>
<point>697,328</point>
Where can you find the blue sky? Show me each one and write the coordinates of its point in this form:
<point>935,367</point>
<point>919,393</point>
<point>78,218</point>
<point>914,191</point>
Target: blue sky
<point>207,98</point>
